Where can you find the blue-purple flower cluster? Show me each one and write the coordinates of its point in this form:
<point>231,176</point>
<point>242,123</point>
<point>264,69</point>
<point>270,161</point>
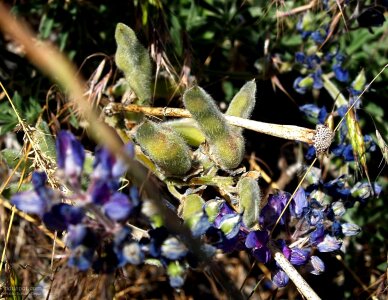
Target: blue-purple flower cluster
<point>96,218</point>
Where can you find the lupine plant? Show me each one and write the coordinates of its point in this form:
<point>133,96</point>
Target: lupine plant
<point>108,223</point>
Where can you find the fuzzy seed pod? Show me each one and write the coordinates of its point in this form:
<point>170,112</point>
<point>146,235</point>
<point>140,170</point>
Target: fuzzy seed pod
<point>243,102</point>
<point>226,144</point>
<point>165,147</point>
<point>250,200</point>
<point>133,59</point>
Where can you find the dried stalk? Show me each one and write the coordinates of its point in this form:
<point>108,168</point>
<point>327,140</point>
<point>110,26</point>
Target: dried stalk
<point>289,132</point>
<point>293,274</point>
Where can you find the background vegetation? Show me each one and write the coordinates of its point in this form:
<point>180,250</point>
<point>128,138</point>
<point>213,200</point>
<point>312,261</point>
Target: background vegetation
<point>220,45</point>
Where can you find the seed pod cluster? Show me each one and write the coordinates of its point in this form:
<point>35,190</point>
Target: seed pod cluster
<point>165,147</point>
<point>226,144</point>
<point>250,200</point>
<point>133,59</point>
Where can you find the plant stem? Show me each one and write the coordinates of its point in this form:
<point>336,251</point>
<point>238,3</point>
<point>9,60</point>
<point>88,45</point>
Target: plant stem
<point>292,273</point>
<point>289,132</point>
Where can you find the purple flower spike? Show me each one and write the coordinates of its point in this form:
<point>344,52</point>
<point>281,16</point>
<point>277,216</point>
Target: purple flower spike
<point>299,257</point>
<point>280,278</point>
<point>329,244</point>
<point>118,208</point>
<point>70,156</point>
<point>30,202</point>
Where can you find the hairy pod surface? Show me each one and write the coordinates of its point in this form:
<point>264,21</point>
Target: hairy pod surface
<point>250,200</point>
<point>192,205</point>
<point>226,144</point>
<point>243,102</point>
<point>165,147</point>
<point>133,59</point>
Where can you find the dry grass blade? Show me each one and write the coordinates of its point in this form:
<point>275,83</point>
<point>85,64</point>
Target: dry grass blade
<point>383,145</point>
<point>357,140</point>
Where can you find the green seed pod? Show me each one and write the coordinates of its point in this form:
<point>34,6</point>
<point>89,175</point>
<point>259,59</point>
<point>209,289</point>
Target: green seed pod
<point>189,130</point>
<point>165,147</point>
<point>243,102</point>
<point>226,144</point>
<point>229,152</point>
<point>192,204</point>
<point>250,200</point>
<point>133,59</point>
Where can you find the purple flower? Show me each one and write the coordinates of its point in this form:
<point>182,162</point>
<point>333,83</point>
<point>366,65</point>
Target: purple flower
<point>173,249</point>
<point>329,244</point>
<point>229,225</point>
<point>30,202</point>
<point>316,266</point>
<point>257,241</point>
<point>132,253</point>
<point>340,73</point>
<point>70,156</point>
<point>319,36</point>
<point>349,229</point>
<point>313,61</point>
<point>62,215</point>
<point>198,224</point>
<point>299,203</point>
<point>118,208</point>
<point>300,57</point>
<point>81,258</point>
<point>99,192</point>
<point>37,201</point>
<point>363,190</point>
<point>299,256</point>
<point>336,189</point>
<point>107,167</point>
<point>338,208</point>
<point>317,235</point>
<point>280,278</point>
<point>317,77</point>
<point>313,113</point>
<point>344,150</point>
<point>76,235</point>
<point>272,210</point>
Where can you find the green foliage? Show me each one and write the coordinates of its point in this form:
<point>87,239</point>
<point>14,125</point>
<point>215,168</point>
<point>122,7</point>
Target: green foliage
<point>28,110</point>
<point>133,59</point>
